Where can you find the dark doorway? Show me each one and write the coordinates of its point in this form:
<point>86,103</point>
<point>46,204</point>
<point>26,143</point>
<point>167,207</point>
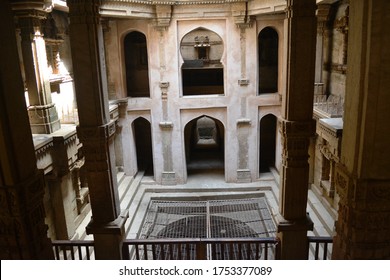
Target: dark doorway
<point>204,144</point>
<point>268,42</point>
<point>267,142</point>
<point>136,63</point>
<point>143,142</point>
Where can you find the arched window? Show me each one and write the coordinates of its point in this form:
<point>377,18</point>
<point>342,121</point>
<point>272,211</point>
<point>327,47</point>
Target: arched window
<point>268,42</point>
<point>136,64</point>
<point>202,71</point>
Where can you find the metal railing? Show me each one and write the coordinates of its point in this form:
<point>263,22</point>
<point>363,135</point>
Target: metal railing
<point>193,249</point>
<point>320,247</point>
<point>73,249</point>
<point>201,249</point>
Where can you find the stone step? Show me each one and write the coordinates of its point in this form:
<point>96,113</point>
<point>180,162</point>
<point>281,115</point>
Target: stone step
<point>321,212</point>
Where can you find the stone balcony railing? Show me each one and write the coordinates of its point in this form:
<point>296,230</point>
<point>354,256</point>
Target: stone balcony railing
<point>327,106</point>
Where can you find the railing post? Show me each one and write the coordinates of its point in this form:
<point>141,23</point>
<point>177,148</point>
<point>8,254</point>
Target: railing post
<point>125,251</point>
<point>278,249</point>
<point>201,251</point>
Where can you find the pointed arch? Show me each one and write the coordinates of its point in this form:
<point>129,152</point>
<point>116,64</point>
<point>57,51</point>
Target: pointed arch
<point>143,143</point>
<point>202,70</point>
<point>204,144</point>
<point>268,134</point>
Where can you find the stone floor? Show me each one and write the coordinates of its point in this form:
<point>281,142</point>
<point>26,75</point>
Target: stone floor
<point>136,193</point>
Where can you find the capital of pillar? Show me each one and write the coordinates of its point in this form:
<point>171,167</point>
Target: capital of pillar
<point>84,12</point>
<point>43,119</point>
<point>295,141</point>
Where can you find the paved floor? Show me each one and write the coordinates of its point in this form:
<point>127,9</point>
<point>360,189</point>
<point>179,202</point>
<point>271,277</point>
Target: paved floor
<point>136,193</point>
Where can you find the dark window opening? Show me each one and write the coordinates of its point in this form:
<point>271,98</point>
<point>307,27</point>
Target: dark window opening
<point>267,142</point>
<point>202,71</point>
<point>204,145</point>
<point>143,143</point>
<point>202,81</point>
<point>136,63</point>
<point>268,42</point>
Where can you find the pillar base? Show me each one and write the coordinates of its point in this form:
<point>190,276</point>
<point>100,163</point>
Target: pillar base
<point>293,238</point>
<point>244,176</point>
<point>108,237</point>
<point>168,178</point>
<point>43,119</point>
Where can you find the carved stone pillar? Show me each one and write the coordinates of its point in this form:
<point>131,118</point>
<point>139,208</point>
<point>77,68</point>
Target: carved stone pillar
<point>296,127</point>
<point>119,143</point>
<point>96,131</point>
<point>23,233</point>
<point>42,112</point>
<point>362,177</point>
<point>322,21</point>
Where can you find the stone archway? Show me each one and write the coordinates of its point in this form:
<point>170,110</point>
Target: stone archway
<point>204,145</point>
<point>143,143</point>
<point>268,134</point>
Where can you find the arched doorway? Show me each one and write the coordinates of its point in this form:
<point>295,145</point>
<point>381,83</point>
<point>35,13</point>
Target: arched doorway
<point>268,42</point>
<point>267,143</point>
<point>143,143</point>
<point>204,145</point>
<point>136,64</point>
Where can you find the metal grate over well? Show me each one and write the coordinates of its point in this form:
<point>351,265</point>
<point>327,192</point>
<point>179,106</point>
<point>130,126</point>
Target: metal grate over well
<point>235,218</point>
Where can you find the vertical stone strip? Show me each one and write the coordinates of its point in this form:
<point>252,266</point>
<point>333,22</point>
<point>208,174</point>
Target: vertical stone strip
<point>296,127</point>
<point>23,233</point>
<point>96,131</point>
<point>362,177</point>
<point>42,112</point>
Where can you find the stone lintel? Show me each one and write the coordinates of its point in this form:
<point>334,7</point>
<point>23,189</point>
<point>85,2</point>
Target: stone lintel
<point>114,227</point>
<point>305,224</point>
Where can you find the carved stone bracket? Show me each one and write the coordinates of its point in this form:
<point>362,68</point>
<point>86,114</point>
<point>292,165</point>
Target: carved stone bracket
<point>163,17</point>
<point>295,141</point>
<point>244,122</point>
<point>164,89</point>
<point>166,125</point>
<point>243,82</point>
<point>84,11</point>
<point>96,133</point>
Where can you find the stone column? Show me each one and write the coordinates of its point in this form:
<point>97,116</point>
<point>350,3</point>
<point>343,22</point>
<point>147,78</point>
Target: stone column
<point>96,131</point>
<point>42,111</point>
<point>322,21</point>
<point>297,126</point>
<point>362,177</point>
<point>23,233</point>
